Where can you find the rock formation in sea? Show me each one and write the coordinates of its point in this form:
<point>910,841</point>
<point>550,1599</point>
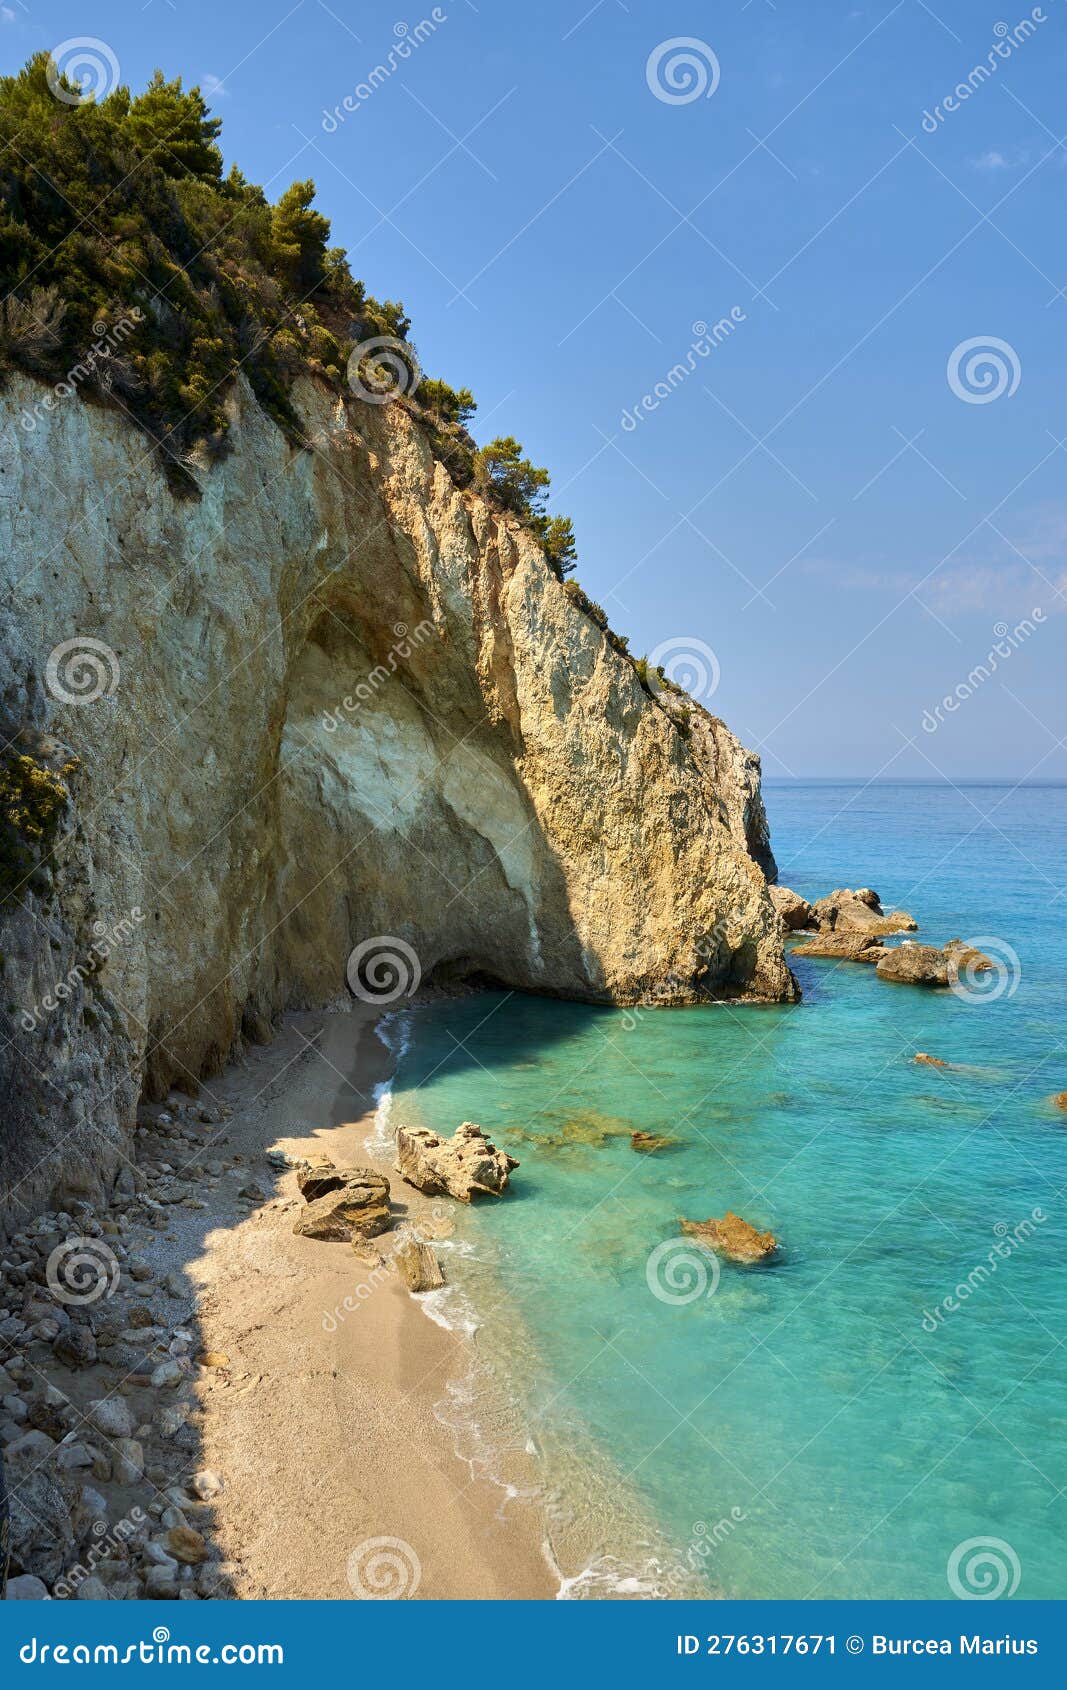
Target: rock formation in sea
<point>733,1237</point>
<point>464,1166</point>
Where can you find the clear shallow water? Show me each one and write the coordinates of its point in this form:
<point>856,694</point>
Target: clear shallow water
<point>800,1432</point>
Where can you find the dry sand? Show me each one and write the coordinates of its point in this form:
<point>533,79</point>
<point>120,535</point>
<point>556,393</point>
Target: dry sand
<point>321,1418</point>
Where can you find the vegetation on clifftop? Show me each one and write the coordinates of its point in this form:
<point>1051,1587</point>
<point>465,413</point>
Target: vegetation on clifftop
<point>139,274</point>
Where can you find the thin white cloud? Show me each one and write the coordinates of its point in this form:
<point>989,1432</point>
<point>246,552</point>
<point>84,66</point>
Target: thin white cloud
<point>212,86</point>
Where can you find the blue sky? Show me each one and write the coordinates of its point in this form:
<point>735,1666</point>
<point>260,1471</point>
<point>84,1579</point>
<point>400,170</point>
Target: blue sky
<point>814,501</point>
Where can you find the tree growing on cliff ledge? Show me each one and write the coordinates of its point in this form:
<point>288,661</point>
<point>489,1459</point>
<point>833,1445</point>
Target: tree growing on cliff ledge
<point>521,487</point>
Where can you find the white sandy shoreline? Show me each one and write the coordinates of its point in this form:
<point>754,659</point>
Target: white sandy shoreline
<point>324,1421</point>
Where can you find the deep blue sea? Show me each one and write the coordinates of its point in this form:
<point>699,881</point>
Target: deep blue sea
<point>824,1425</point>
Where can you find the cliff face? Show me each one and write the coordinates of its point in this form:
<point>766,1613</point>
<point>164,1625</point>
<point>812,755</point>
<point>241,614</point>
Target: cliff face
<point>340,700</point>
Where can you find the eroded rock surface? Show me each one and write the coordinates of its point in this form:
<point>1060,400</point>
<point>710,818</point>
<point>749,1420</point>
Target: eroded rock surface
<point>795,911</point>
<point>848,947</point>
<point>859,911</point>
<point>461,1166</point>
<point>418,1265</point>
<point>357,1208</point>
<point>931,965</point>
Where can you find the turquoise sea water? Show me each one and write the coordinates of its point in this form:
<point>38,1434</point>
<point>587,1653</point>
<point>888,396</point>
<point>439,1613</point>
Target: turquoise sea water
<point>803,1422</point>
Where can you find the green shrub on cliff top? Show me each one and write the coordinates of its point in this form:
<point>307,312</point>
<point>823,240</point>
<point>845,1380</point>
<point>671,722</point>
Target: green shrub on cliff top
<point>138,273</point>
<point>132,259</point>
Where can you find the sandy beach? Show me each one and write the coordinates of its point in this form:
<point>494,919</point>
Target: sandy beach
<point>321,1416</point>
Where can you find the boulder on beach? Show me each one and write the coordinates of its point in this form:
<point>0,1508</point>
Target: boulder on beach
<point>794,910</point>
<point>358,1208</point>
<point>460,1166</point>
<point>859,911</point>
<point>318,1178</point>
<point>846,947</point>
<point>732,1237</point>
<point>418,1265</point>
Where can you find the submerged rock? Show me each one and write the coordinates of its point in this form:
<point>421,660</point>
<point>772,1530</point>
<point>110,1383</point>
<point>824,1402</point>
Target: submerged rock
<point>648,1143</point>
<point>458,1166</point>
<point>736,1239</point>
<point>418,1265</point>
<point>1060,1100</point>
<point>930,1061</point>
<point>360,1207</point>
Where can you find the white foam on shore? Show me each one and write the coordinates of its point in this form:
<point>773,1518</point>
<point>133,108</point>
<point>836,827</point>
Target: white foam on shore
<point>394,1031</point>
<point>606,1577</point>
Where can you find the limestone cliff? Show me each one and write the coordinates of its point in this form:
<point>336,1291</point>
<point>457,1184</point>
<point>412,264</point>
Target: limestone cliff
<point>337,699</point>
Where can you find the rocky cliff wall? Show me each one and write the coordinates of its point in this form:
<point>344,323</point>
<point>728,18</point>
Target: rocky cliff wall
<point>333,698</point>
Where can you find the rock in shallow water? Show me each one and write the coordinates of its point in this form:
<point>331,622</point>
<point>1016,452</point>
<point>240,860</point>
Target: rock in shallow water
<point>794,910</point>
<point>418,1265</point>
<point>459,1166</point>
<point>859,911</point>
<point>927,965</point>
<point>732,1237</point>
<point>845,947</point>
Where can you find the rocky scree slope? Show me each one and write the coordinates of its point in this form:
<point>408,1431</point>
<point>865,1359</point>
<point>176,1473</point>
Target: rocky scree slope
<point>337,698</point>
